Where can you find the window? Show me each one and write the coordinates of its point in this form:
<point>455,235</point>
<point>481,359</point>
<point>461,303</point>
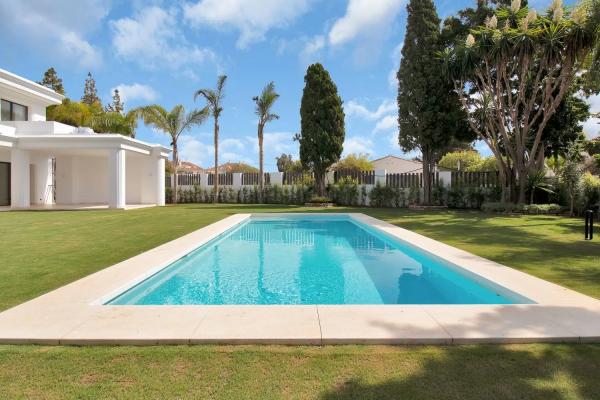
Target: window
<point>12,111</point>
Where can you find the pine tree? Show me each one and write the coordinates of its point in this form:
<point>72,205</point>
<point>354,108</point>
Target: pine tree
<point>52,81</point>
<point>117,105</point>
<point>430,117</point>
<point>90,94</point>
<point>322,124</point>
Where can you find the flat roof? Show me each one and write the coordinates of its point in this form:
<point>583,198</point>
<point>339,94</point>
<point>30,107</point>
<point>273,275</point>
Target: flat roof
<point>30,88</point>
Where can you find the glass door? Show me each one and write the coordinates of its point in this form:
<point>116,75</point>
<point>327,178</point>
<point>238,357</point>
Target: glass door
<point>4,184</point>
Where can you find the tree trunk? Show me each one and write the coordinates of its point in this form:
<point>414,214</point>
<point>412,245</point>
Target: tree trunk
<point>260,161</point>
<point>216,174</point>
<point>522,181</point>
<point>320,182</point>
<point>572,204</point>
<point>175,164</point>
<point>426,177</point>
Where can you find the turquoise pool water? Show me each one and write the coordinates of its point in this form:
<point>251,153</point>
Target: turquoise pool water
<point>312,260</point>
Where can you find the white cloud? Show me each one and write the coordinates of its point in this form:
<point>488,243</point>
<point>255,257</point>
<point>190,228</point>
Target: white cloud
<point>152,37</point>
<point>364,18</point>
<point>312,48</point>
<point>252,18</point>
<point>358,145</point>
<point>591,127</point>
<point>387,123</point>
<point>135,91</point>
<point>57,28</point>
<point>396,56</point>
<point>192,149</point>
<point>354,108</point>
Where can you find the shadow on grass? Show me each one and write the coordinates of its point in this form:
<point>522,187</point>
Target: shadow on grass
<point>558,371</point>
<point>489,372</point>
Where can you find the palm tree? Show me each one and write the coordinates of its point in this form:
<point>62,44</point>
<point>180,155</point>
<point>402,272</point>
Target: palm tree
<point>213,99</point>
<point>115,122</point>
<point>264,102</point>
<point>173,123</point>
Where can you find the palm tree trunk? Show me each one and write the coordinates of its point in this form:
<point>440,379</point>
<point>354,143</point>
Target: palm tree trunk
<point>175,165</point>
<point>216,175</point>
<point>260,161</point>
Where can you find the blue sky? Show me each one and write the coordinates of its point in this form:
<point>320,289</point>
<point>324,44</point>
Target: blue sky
<point>159,51</point>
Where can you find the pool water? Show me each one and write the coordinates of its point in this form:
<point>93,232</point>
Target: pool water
<point>312,260</point>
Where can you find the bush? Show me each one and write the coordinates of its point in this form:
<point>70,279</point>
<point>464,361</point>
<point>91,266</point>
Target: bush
<point>590,190</point>
<point>381,196</point>
<point>345,192</point>
<point>320,199</point>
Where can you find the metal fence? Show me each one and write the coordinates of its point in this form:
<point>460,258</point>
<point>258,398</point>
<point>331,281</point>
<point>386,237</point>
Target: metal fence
<point>361,177</point>
<point>295,178</point>
<point>224,179</point>
<point>253,178</point>
<point>475,179</point>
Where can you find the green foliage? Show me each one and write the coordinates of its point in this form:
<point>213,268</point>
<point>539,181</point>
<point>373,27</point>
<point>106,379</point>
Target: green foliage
<point>320,199</point>
<point>565,125</point>
<point>52,81</point>
<point>427,122</point>
<point>90,93</point>
<point>286,163</point>
<point>345,192</point>
<point>263,104</point>
<point>462,160</point>
<point>73,113</point>
<point>592,146</point>
<point>590,188</point>
<point>570,180</point>
<point>117,105</point>
<point>241,167</point>
<point>381,196</point>
<point>322,124</point>
<point>354,162</point>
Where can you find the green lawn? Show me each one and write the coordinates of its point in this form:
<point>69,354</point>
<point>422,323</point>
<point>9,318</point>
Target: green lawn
<point>43,250</point>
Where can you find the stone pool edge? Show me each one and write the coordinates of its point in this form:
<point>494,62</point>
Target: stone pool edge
<point>74,314</point>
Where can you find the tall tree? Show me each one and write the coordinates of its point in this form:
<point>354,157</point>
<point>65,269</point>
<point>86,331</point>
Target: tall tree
<point>116,105</point>
<point>513,73</point>
<point>322,128</point>
<point>115,122</point>
<point>214,98</point>
<point>52,81</point>
<point>90,93</point>
<point>429,114</point>
<point>173,123</point>
<point>263,105</point>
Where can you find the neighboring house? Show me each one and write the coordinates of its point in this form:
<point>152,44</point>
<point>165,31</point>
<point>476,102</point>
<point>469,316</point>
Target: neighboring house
<point>44,163</point>
<point>189,168</point>
<point>397,165</point>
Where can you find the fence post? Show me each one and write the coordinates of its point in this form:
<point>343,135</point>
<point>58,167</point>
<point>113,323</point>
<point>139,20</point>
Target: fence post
<point>445,178</point>
<point>380,177</point>
<point>276,178</point>
<point>330,178</point>
<point>203,180</point>
<point>237,180</point>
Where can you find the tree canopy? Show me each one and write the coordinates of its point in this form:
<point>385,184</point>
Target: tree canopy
<point>322,124</point>
<point>116,105</point>
<point>52,81</point>
<point>90,93</point>
<point>512,74</point>
<point>354,162</point>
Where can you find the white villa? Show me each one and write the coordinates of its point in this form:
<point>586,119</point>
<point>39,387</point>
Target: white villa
<point>46,164</point>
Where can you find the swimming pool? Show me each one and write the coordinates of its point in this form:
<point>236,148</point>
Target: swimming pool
<point>312,259</point>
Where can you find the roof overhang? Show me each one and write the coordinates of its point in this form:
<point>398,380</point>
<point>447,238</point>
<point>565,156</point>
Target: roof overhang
<point>29,88</point>
<point>90,142</point>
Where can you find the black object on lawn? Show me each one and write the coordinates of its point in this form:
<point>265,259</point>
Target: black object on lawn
<point>589,225</point>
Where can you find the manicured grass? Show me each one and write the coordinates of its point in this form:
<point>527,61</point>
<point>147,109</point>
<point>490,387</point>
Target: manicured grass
<point>44,250</point>
<point>269,372</point>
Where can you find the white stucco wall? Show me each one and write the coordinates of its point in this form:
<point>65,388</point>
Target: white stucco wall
<point>140,183</point>
<point>40,178</point>
<point>81,180</point>
<point>4,155</point>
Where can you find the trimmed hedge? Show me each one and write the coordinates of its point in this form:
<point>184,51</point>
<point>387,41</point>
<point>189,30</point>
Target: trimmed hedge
<point>522,208</point>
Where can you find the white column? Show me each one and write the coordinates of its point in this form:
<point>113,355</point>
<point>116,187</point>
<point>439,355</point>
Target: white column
<point>160,181</point>
<point>380,176</point>
<point>237,180</point>
<point>276,178</point>
<point>446,178</point>
<point>116,178</point>
<point>19,177</point>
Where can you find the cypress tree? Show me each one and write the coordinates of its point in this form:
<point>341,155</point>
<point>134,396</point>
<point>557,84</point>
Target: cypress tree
<point>429,114</point>
<point>52,81</point>
<point>322,128</point>
<point>90,94</point>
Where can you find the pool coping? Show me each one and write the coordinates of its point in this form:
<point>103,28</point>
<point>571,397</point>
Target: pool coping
<point>75,314</point>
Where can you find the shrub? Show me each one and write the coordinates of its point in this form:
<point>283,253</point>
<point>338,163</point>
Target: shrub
<point>590,190</point>
<point>381,196</point>
<point>521,208</point>
<point>345,192</point>
<point>320,199</point>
